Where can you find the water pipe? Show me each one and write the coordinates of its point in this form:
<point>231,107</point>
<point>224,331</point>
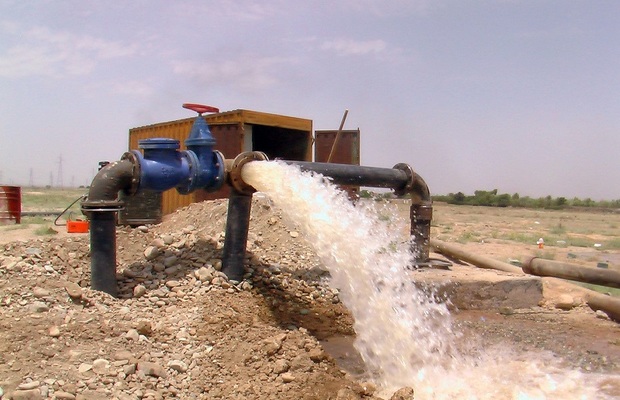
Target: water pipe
<point>238,217</point>
<point>401,178</point>
<point>161,167</point>
<point>100,206</point>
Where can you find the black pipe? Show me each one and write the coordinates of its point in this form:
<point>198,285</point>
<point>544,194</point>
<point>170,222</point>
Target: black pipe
<point>103,252</point>
<point>115,176</point>
<point>403,180</point>
<point>100,207</point>
<point>237,225</point>
<point>346,174</point>
<point>421,216</point>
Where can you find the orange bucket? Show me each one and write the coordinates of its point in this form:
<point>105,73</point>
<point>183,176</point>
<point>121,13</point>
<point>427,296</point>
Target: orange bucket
<point>77,226</point>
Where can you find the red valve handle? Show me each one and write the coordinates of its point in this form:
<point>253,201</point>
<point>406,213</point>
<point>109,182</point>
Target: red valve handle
<point>200,109</point>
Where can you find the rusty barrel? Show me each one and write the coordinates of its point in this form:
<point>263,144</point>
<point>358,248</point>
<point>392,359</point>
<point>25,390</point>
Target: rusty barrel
<point>10,204</point>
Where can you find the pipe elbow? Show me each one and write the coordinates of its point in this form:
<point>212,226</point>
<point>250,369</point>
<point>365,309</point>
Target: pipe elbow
<point>116,176</point>
<point>415,186</point>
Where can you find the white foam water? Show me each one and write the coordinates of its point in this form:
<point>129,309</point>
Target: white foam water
<point>405,337</point>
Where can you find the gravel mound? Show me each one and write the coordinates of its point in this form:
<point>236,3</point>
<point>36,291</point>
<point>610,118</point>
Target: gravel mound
<point>179,329</point>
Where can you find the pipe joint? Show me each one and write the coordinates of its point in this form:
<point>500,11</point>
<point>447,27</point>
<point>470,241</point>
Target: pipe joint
<point>234,168</point>
<point>103,192</point>
<point>415,185</point>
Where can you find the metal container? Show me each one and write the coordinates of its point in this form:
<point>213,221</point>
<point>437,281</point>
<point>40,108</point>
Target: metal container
<point>10,204</point>
<point>347,150</point>
<point>235,132</point>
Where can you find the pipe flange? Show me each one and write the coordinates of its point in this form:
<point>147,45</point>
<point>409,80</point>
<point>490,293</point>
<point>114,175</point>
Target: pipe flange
<point>234,173</point>
<point>90,206</point>
<point>135,178</point>
<point>220,176</point>
<point>406,168</point>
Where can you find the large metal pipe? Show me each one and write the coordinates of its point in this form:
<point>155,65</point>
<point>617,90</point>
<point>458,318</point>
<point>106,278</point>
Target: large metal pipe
<point>101,206</point>
<point>453,251</point>
<point>345,174</point>
<point>597,276</point>
<point>403,180</point>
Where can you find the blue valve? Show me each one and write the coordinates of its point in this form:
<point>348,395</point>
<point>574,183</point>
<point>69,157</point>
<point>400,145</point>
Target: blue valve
<point>164,167</point>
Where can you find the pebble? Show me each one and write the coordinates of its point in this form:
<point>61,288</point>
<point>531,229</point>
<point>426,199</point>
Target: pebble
<point>177,365</point>
<point>28,385</point>
<point>287,377</point>
<point>159,243</point>
<point>565,302</point>
<point>152,369</point>
<point>170,261</point>
<point>139,291</point>
<point>132,334</point>
<point>31,394</point>
<point>405,393</point>
<point>101,366</point>
<point>84,368</point>
<point>601,314</point>
<point>54,331</point>
<point>40,292</point>
<point>60,395</point>
<point>39,307</point>
<point>151,252</point>
<point>73,290</point>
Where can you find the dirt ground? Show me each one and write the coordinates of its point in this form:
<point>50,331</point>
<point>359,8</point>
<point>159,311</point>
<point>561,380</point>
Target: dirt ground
<point>181,330</point>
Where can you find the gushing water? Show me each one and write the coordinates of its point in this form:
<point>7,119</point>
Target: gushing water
<point>405,337</point>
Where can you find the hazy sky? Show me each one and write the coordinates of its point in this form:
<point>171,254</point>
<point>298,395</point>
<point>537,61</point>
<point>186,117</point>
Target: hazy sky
<point>515,95</point>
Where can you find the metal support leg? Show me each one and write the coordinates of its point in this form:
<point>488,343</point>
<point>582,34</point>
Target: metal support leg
<point>103,252</point>
<point>421,216</point>
<point>237,225</point>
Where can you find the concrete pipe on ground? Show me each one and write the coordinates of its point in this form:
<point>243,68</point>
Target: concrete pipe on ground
<point>596,276</point>
<point>453,251</point>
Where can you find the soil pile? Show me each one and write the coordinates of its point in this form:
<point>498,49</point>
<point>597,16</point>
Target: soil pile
<point>179,328</point>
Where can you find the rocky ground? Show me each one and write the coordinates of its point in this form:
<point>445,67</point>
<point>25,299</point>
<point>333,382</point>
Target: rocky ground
<point>181,330</point>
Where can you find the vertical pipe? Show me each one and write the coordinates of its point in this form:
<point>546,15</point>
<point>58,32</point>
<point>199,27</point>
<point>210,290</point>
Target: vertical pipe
<point>421,216</point>
<point>237,225</point>
<point>103,252</point>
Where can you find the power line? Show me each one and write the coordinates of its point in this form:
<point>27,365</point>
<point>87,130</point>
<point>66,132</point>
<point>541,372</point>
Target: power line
<point>59,177</point>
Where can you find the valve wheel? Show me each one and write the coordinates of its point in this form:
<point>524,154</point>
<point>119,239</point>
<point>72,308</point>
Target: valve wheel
<point>201,108</point>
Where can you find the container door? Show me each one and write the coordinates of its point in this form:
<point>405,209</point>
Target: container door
<point>347,150</point>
